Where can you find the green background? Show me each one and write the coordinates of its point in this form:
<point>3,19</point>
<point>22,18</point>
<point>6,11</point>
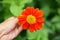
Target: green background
<point>51,8</point>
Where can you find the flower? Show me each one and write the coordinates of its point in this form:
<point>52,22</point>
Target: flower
<point>31,18</point>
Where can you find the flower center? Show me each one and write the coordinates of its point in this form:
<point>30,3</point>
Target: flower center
<point>31,19</point>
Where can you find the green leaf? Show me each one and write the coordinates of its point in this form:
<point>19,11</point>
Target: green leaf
<point>6,12</point>
<point>57,25</point>
<point>56,22</point>
<point>57,37</point>
<point>31,35</point>
<point>44,34</point>
<point>16,10</point>
<point>1,12</point>
<point>46,10</point>
<point>1,17</point>
<point>58,11</point>
<point>1,7</point>
<point>17,2</point>
<point>21,2</point>
<point>55,19</point>
<point>8,1</point>
<point>38,35</point>
<point>58,1</point>
<point>18,38</point>
<point>7,15</point>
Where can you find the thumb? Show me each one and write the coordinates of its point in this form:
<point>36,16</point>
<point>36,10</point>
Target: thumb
<point>8,25</point>
<point>10,22</point>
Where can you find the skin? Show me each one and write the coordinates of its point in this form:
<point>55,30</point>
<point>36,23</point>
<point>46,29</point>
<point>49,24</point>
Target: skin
<point>9,29</point>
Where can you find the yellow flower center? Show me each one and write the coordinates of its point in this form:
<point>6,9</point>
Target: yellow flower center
<point>31,19</point>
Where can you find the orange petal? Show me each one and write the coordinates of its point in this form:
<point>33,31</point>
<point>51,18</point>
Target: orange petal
<point>40,20</point>
<point>38,26</point>
<point>25,26</point>
<point>25,12</point>
<point>30,10</point>
<point>22,17</point>
<point>31,28</point>
<point>21,22</point>
<point>38,13</point>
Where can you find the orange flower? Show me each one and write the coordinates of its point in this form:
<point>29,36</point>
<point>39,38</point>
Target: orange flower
<point>31,18</point>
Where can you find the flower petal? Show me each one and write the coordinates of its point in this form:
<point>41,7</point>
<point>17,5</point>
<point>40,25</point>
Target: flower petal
<point>21,22</point>
<point>25,26</point>
<point>25,12</point>
<point>28,11</point>
<point>22,17</point>
<point>40,20</point>
<point>38,26</point>
<point>31,28</point>
<point>38,13</point>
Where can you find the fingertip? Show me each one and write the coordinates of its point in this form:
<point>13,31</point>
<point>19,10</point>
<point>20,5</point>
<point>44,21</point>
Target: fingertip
<point>13,18</point>
<point>10,21</point>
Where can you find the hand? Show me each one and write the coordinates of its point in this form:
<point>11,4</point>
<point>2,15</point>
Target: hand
<point>9,29</point>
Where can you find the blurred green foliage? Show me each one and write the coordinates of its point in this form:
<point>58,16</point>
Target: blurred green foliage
<point>51,8</point>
